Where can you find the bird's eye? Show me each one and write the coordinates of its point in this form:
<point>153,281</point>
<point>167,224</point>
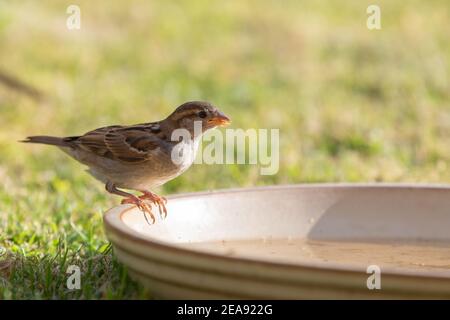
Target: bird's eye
<point>202,114</point>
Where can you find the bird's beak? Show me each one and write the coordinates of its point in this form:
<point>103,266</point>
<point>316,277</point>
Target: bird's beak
<point>219,119</point>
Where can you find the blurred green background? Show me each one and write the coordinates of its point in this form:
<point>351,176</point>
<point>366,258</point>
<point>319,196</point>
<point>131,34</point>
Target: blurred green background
<point>351,104</point>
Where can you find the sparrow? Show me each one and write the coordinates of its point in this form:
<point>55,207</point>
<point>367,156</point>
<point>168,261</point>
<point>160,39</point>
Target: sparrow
<point>143,156</point>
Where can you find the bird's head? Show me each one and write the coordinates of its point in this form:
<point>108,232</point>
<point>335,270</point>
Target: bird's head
<point>201,113</point>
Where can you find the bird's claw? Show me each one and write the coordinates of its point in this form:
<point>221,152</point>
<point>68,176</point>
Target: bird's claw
<point>157,200</point>
<point>141,205</point>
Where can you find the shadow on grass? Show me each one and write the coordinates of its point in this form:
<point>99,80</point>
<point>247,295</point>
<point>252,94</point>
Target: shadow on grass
<point>47,276</point>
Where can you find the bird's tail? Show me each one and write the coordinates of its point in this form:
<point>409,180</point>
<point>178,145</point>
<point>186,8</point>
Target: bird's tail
<point>54,141</point>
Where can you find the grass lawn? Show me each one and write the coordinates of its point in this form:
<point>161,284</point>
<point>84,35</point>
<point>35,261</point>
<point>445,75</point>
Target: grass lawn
<point>351,105</point>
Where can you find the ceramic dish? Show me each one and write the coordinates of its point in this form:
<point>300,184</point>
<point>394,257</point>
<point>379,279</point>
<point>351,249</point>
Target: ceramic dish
<point>292,242</point>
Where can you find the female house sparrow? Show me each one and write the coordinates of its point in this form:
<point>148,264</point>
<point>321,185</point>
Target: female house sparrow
<point>140,157</point>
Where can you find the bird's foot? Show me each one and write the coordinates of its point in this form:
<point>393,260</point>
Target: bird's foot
<point>157,200</point>
<point>142,205</point>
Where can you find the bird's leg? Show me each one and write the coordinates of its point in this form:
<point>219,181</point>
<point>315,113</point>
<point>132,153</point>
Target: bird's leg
<point>132,199</point>
<point>158,200</point>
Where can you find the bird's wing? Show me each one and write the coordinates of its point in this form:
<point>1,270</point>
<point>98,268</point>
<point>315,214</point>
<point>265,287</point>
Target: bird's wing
<point>135,143</point>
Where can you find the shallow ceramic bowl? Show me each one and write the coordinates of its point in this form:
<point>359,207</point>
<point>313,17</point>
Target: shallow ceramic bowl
<point>292,242</point>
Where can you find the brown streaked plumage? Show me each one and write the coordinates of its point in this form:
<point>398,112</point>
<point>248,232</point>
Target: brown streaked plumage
<point>138,157</point>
